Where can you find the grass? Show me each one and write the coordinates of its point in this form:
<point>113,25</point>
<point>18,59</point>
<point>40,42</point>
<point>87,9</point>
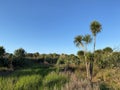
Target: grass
<point>36,77</point>
<point>40,77</point>
<point>29,82</point>
<point>55,79</point>
<point>110,79</point>
<point>20,83</point>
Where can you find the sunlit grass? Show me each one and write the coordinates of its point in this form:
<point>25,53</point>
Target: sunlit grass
<point>55,80</point>
<point>42,78</point>
<point>32,78</point>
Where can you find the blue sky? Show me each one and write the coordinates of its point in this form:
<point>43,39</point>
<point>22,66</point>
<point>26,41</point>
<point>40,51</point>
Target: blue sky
<point>49,26</point>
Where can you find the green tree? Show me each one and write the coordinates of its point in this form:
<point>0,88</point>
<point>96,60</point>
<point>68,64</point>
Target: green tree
<point>108,50</point>
<point>87,39</point>
<point>10,58</point>
<point>78,41</point>
<point>2,51</point>
<point>95,27</point>
<point>80,53</point>
<point>19,58</point>
<point>83,41</point>
<point>19,53</point>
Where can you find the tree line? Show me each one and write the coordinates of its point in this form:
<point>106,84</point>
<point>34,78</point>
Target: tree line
<point>103,58</point>
<point>21,58</point>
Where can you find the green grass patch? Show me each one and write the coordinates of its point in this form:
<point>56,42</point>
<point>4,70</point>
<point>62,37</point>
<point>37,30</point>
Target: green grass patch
<point>55,80</point>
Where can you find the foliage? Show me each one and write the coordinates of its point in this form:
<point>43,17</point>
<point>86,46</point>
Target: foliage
<point>78,41</point>
<point>83,41</point>
<point>95,27</point>
<point>4,62</point>
<point>20,53</point>
<point>108,50</point>
<point>40,77</point>
<point>2,51</point>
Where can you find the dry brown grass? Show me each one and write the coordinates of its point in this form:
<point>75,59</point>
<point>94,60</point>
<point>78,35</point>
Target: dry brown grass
<point>76,83</point>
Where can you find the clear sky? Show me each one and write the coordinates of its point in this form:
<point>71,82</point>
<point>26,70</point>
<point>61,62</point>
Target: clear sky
<point>49,26</point>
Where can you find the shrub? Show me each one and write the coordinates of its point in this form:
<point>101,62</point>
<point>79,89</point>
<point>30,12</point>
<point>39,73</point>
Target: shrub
<point>4,62</point>
<point>104,86</point>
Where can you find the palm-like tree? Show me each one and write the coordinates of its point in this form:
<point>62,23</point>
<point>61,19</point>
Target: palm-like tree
<point>83,41</point>
<point>95,29</point>
<point>78,41</point>
<point>87,39</point>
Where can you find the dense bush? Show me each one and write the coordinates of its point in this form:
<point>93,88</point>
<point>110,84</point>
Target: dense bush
<point>19,62</point>
<point>4,62</point>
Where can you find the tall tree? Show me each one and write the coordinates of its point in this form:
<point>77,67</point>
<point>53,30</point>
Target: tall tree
<point>95,27</point>
<point>83,41</point>
<point>87,39</point>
